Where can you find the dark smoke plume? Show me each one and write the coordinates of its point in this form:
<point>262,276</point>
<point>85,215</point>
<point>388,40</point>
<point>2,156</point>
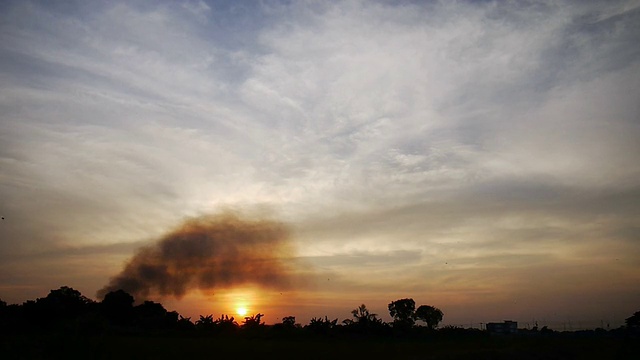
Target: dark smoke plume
<point>211,252</point>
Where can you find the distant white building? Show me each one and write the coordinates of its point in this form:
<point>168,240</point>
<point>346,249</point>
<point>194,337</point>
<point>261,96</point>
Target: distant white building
<point>506,327</point>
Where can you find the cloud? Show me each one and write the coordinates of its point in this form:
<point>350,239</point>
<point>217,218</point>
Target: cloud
<point>452,95</point>
<point>198,8</point>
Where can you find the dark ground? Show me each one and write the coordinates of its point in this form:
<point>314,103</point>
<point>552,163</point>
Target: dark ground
<point>180,347</point>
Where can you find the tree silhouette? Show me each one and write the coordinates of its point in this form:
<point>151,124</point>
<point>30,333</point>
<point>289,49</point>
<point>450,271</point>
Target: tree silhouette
<point>402,311</point>
<point>65,301</point>
<point>226,324</point>
<point>5,316</point>
<point>205,323</point>
<point>117,306</point>
<point>289,321</point>
<point>252,321</point>
<point>321,326</point>
<point>430,315</point>
<point>633,322</point>
<point>153,316</point>
<point>60,309</point>
<point>365,322</point>
<point>362,315</point>
<point>185,324</point>
<point>287,326</point>
<point>118,299</point>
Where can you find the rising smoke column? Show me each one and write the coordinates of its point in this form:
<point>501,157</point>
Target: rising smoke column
<point>208,253</point>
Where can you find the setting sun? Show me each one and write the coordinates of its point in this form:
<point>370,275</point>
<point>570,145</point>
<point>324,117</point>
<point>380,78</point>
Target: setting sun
<point>242,311</point>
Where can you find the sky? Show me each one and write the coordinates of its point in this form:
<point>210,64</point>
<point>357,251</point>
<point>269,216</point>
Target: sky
<point>482,157</point>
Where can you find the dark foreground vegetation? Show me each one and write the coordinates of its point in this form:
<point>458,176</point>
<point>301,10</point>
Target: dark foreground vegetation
<point>67,325</point>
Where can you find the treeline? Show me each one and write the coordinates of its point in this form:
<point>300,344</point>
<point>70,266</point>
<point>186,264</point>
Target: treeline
<point>67,311</point>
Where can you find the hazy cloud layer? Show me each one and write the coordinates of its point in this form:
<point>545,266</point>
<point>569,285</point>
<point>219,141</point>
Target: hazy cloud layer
<point>400,137</point>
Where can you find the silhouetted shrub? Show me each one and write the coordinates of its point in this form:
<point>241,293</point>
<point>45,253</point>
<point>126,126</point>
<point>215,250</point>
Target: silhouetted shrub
<point>321,326</point>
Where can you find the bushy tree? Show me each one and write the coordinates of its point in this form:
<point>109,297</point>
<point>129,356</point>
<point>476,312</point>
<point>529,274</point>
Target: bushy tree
<point>117,307</point>
<point>65,302</point>
<point>432,316</point>
<point>151,315</point>
<point>289,321</point>
<point>61,308</point>
<point>402,311</point>
<point>118,299</point>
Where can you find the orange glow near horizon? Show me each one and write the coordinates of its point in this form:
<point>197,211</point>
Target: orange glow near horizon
<point>274,304</point>
<point>242,300</point>
<point>237,302</point>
